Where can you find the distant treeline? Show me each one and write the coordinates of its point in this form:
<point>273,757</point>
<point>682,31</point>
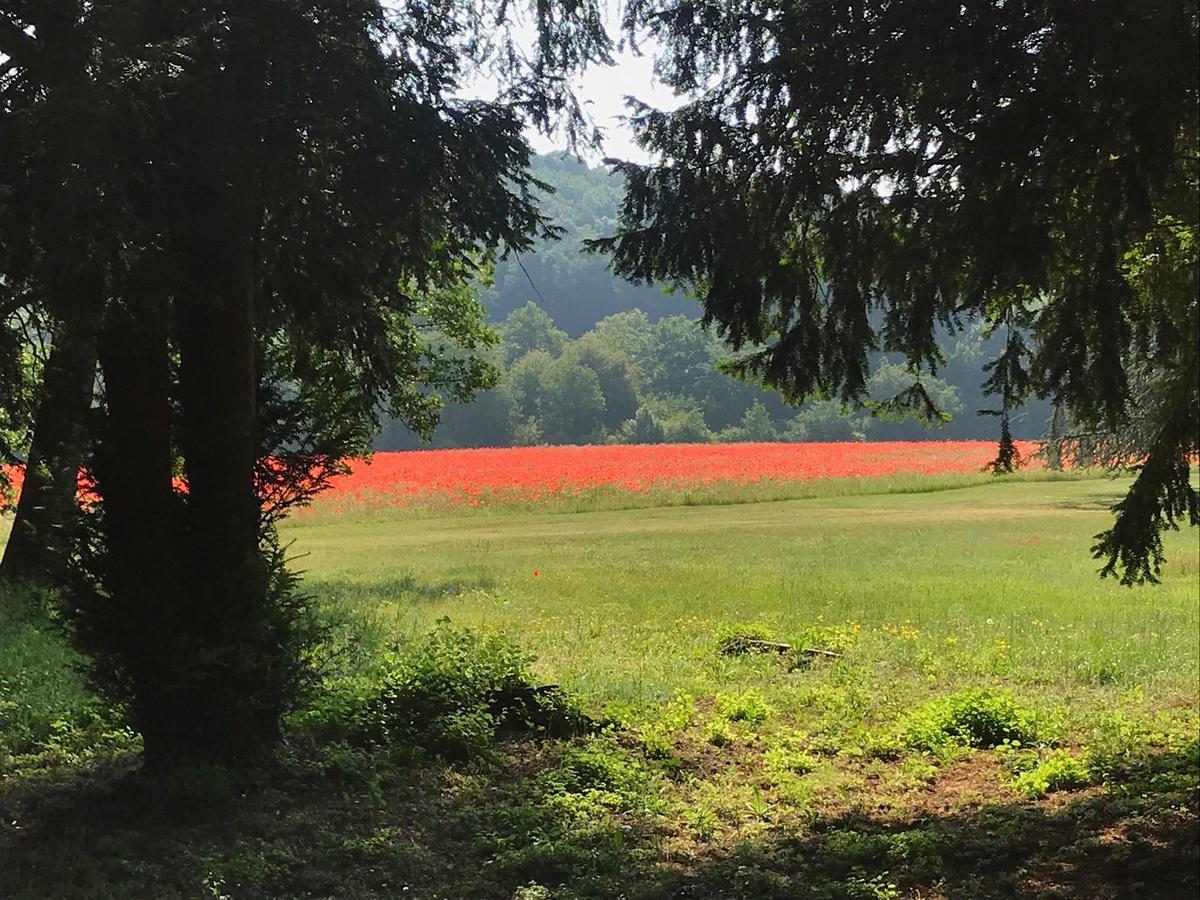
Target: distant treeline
<point>633,380</point>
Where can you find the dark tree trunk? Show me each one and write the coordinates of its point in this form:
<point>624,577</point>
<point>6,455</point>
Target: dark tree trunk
<point>218,388</point>
<point>141,622</point>
<point>208,659</point>
<point>247,662</point>
<point>38,546</point>
<point>227,579</point>
<point>199,638</point>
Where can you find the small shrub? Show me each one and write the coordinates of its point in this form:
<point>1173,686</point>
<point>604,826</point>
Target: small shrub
<point>864,887</point>
<point>1131,748</point>
<point>47,714</point>
<point>598,765</point>
<point>702,820</point>
<point>657,734</point>
<point>594,779</point>
<point>789,757</point>
<point>719,733</point>
<point>919,851</point>
<point>886,745</point>
<point>556,856</point>
<point>558,838</point>
<point>679,713</point>
<point>1060,771</point>
<point>847,848</point>
<point>974,718</point>
<point>915,771</point>
<point>352,765</point>
<point>838,638</point>
<point>1015,757</point>
<point>657,742</point>
<point>748,706</point>
<point>338,711</point>
<point>448,693</point>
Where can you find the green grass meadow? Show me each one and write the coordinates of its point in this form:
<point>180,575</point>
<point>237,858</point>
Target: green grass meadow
<point>992,582</point>
<point>984,717</point>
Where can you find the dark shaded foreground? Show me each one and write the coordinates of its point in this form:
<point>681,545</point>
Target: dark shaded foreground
<point>352,826</point>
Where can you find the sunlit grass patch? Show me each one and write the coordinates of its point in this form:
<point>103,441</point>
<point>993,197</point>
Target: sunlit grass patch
<point>978,709</point>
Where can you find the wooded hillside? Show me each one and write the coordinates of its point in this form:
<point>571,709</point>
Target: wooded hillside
<point>586,357</point>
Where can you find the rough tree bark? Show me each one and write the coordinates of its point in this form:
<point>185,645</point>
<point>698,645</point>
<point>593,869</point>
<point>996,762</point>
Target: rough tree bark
<point>143,617</point>
<point>227,584</point>
<point>38,546</point>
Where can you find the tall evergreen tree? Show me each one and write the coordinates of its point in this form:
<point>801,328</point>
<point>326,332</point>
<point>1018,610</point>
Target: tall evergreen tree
<point>304,192</point>
<point>936,163</point>
<point>56,231</point>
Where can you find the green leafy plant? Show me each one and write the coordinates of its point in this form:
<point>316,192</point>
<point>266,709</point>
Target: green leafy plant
<point>657,742</point>
<point>748,706</point>
<point>702,819</point>
<point>918,850</point>
<point>1060,771</point>
<point>719,732</point>
<point>972,718</point>
<point>726,633</point>
<point>789,756</point>
<point>450,693</point>
<point>757,804</point>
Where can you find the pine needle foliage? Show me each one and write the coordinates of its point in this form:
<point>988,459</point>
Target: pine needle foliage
<point>850,177</point>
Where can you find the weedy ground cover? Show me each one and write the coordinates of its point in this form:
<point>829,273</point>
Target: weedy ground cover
<point>992,719</point>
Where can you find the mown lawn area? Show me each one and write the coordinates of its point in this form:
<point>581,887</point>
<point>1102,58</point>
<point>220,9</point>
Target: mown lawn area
<point>984,718</point>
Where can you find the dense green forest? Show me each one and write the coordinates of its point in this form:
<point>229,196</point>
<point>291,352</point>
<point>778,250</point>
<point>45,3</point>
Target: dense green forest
<point>576,288</point>
<point>586,357</point>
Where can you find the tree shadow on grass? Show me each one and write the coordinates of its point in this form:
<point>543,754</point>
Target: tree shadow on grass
<point>1094,847</point>
<point>1103,503</point>
<point>346,825</point>
<point>403,586</point>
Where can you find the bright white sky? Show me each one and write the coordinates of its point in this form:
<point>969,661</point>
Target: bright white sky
<point>604,91</point>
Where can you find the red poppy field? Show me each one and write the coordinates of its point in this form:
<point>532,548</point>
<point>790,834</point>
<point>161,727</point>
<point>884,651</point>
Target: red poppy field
<point>535,474</point>
<point>532,475</point>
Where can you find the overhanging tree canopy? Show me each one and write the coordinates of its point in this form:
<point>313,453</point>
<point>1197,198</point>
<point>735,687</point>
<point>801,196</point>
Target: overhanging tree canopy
<point>299,197</point>
<point>1020,162</point>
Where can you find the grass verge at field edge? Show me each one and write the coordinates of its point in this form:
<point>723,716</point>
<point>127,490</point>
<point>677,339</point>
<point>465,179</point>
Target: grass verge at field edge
<point>327,509</point>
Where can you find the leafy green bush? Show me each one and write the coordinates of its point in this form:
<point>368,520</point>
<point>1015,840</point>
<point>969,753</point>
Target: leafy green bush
<point>657,742</point>
<point>339,711</point>
<point>1060,771</point>
<point>851,848</point>
<point>727,633</point>
<point>789,756</point>
<point>973,718</point>
<point>719,733</point>
<point>748,706</point>
<point>599,765</point>
<point>568,830</point>
<point>918,850</point>
<point>448,693</point>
